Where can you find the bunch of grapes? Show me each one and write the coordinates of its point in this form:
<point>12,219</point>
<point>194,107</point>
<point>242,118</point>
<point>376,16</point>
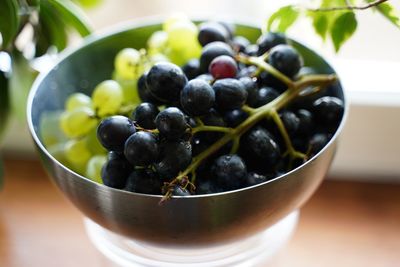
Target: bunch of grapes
<point>217,113</point>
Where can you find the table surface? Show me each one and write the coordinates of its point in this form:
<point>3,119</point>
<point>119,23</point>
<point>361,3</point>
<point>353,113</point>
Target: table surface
<point>344,224</point>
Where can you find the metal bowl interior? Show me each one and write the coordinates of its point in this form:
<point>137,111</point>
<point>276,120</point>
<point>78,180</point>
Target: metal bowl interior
<point>182,221</point>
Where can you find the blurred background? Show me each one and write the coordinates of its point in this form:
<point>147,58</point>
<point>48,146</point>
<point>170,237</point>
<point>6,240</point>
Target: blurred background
<point>368,65</point>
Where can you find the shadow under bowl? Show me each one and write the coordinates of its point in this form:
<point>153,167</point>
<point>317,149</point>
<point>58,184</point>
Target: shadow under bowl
<point>182,221</point>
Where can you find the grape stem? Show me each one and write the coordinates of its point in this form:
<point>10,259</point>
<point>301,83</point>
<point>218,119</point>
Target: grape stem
<point>248,109</point>
<point>206,128</point>
<point>290,151</point>
<point>261,64</point>
<point>269,110</point>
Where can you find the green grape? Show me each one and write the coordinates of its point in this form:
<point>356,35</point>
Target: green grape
<point>180,57</point>
<point>78,100</point>
<point>93,143</point>
<point>57,151</point>
<point>78,122</point>
<point>182,42</point>
<point>77,154</point>
<point>107,98</point>
<point>192,50</point>
<point>158,58</point>
<point>182,35</point>
<point>127,63</point>
<point>93,168</point>
<point>49,128</point>
<point>168,23</point>
<point>129,89</point>
<point>157,42</point>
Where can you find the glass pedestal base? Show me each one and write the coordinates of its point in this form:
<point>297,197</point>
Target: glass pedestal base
<point>249,252</point>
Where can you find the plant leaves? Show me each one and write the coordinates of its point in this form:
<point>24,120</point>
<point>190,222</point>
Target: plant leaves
<point>72,15</point>
<point>387,10</point>
<point>283,18</point>
<point>343,28</point>
<point>88,3</point>
<point>52,26</point>
<point>321,24</point>
<point>20,83</point>
<point>5,72</point>
<point>33,3</point>
<point>9,20</point>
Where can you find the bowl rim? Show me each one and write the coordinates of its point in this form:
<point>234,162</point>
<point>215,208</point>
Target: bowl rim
<point>145,22</point>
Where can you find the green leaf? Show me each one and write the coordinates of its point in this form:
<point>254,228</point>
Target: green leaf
<point>20,83</point>
<point>283,18</point>
<point>88,3</point>
<point>321,24</point>
<point>33,3</point>
<point>72,15</point>
<point>9,20</point>
<point>387,10</point>
<point>343,28</point>
<point>5,72</point>
<point>52,26</point>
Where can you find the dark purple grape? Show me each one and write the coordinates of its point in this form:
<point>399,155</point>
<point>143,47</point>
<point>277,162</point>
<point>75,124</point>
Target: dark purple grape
<point>230,28</point>
<point>144,93</point>
<point>317,143</point>
<point>144,181</point>
<point>191,68</point>
<point>199,144</point>
<point>255,178</point>
<point>259,144</point>
<point>171,123</point>
<point>145,115</point>
<point>267,79</point>
<point>235,117</point>
<point>141,148</point>
<point>223,67</point>
<point>328,110</point>
<point>207,187</point>
<point>213,50</point>
<point>211,32</point>
<point>262,96</point>
<point>247,72</point>
<point>212,118</point>
<point>174,157</point>
<point>207,77</point>
<point>250,85</point>
<point>230,171</point>
<point>286,59</point>
<point>197,97</point>
<point>240,43</point>
<point>165,81</point>
<point>290,121</point>
<point>306,125</point>
<point>269,40</point>
<point>112,132</point>
<point>229,94</point>
<point>115,171</point>
<point>251,50</point>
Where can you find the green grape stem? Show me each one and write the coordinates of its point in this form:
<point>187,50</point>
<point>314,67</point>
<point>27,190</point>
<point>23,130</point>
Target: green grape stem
<point>269,110</point>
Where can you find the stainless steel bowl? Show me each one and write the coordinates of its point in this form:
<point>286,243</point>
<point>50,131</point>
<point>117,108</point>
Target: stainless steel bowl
<point>182,221</point>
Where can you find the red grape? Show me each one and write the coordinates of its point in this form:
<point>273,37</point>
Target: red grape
<point>223,67</point>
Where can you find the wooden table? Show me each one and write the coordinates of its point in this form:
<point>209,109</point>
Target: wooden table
<point>344,224</point>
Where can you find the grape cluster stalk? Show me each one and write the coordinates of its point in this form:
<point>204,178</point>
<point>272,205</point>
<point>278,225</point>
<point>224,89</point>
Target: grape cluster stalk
<point>267,111</point>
